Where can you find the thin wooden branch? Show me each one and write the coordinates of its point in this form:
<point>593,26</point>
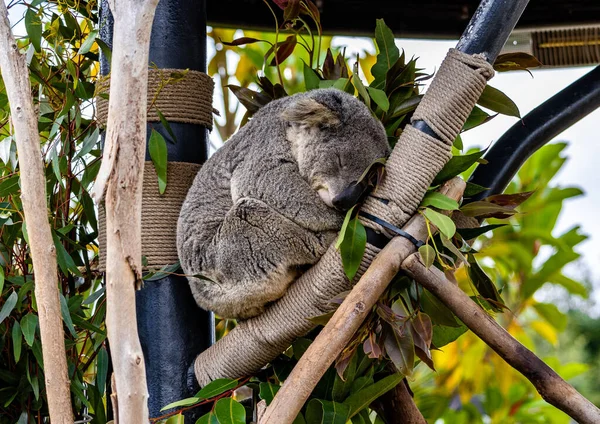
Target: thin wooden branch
<point>33,195</point>
<point>347,319</point>
<point>548,383</point>
<point>119,181</point>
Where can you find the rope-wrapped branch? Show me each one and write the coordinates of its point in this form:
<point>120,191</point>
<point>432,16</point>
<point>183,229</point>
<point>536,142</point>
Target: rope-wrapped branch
<point>412,166</point>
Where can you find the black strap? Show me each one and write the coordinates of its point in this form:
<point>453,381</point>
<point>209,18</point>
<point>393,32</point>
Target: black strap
<point>392,228</point>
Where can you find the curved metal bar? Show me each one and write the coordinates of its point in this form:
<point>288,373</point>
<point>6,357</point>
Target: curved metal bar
<point>537,128</point>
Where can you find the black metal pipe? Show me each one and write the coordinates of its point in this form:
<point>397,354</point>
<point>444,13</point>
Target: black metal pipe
<point>537,128</point>
<point>486,33</point>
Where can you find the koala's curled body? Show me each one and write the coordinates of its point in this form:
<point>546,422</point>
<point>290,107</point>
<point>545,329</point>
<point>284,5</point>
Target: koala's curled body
<point>260,209</point>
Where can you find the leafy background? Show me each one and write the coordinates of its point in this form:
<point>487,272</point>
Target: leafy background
<point>62,49</point>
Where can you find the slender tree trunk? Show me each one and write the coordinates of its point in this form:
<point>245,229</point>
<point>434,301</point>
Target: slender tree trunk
<point>348,318</point>
<point>33,195</point>
<point>119,182</point>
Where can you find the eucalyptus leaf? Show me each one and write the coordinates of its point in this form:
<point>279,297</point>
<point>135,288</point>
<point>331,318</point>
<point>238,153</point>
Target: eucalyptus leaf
<point>388,53</point>
<point>496,100</point>
<point>456,166</point>
<point>28,325</point>
<point>352,247</point>
<point>182,402</point>
<point>440,201</point>
<point>379,97</point>
<point>8,306</point>
<point>209,418</point>
<point>311,78</point>
<point>17,340</point>
<point>33,26</point>
<point>87,45</point>
<point>158,153</point>
<point>267,391</point>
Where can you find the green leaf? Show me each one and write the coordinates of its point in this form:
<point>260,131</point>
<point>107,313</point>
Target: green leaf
<point>65,261</point>
<point>102,369</point>
<point>471,233</point>
<point>166,125</point>
<point>209,418</point>
<point>176,419</point>
<point>380,98</point>
<point>440,201</point>
<point>17,340</point>
<point>358,84</point>
<point>342,234</point>
<point>457,165</point>
<point>8,306</point>
<point>437,311</point>
<point>551,314</point>
<point>359,400</point>
<point>88,43</point>
<point>228,411</point>
<point>311,79</point>
<point>442,334</point>
<point>9,186</point>
<point>476,118</point>
<point>515,61</point>
<point>66,315</point>
<point>267,391</point>
<point>472,189</point>
<point>1,280</point>
<point>216,387</point>
<point>319,411</point>
<point>106,51</point>
<point>427,255</point>
<point>33,26</point>
<point>442,222</point>
<point>35,385</point>
<point>572,286</point>
<point>182,402</point>
<point>28,325</point>
<point>388,53</point>
<point>484,285</point>
<point>158,153</point>
<point>496,100</point>
<point>353,246</point>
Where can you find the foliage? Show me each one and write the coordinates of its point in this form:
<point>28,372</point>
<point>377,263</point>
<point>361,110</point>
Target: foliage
<point>62,52</point>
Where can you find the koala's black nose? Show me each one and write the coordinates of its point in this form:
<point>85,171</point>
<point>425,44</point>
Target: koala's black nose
<point>350,196</point>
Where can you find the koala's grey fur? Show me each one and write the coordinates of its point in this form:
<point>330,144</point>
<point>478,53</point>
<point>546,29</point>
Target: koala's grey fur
<point>260,209</point>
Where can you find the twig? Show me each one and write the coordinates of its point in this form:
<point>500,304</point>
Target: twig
<point>119,181</point>
<point>548,383</point>
<point>347,319</point>
<point>33,195</point>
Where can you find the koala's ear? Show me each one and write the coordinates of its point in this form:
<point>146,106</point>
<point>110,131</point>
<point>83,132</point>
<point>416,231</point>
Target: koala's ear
<point>309,112</point>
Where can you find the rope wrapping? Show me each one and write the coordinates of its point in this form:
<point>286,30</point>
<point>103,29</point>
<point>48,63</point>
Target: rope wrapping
<point>159,214</point>
<point>412,166</point>
<point>180,95</point>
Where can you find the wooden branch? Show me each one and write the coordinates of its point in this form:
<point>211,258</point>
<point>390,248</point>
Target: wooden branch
<point>548,383</point>
<point>347,319</point>
<point>119,181</point>
<point>398,406</point>
<point>33,195</point>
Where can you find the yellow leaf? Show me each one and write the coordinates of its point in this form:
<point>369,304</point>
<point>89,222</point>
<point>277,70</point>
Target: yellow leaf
<point>546,331</point>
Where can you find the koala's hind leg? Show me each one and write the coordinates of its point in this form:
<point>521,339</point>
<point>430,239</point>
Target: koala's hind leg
<point>256,255</point>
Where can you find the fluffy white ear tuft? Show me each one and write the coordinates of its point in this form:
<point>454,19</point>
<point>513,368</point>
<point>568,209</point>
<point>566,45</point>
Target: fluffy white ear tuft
<point>309,112</point>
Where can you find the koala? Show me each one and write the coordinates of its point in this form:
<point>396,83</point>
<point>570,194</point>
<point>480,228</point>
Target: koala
<point>269,203</point>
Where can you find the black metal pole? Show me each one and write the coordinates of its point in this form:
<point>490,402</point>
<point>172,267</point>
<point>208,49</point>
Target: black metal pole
<point>537,128</point>
<point>173,330</point>
<point>486,33</point>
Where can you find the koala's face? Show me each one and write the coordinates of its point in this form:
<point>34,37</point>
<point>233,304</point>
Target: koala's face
<point>334,139</point>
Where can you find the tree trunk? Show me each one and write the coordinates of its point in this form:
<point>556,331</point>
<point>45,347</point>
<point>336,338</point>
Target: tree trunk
<point>119,182</point>
<point>33,195</point>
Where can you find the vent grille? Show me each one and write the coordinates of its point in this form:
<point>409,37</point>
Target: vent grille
<point>562,47</point>
<point>567,47</point>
